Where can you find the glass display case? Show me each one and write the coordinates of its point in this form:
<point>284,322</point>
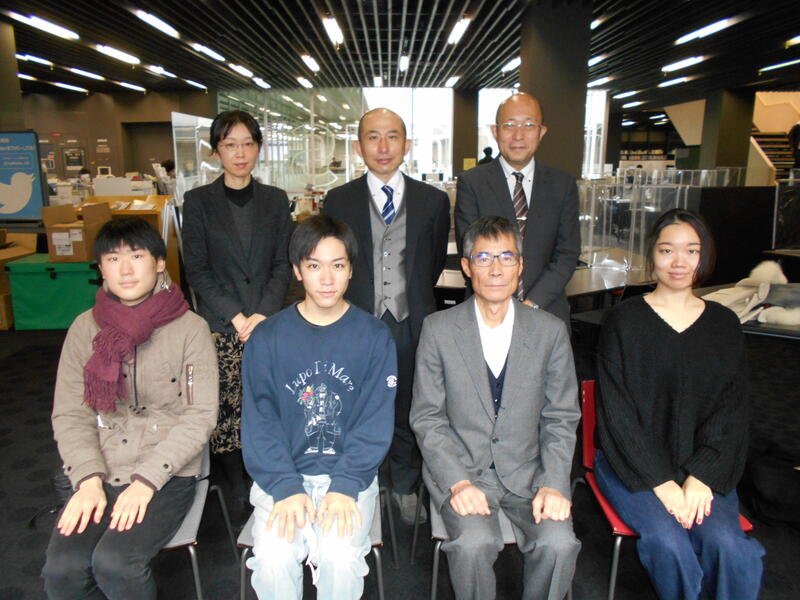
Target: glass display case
<point>786,227</point>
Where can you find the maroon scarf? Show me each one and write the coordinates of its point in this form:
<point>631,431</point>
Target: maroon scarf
<point>122,328</point>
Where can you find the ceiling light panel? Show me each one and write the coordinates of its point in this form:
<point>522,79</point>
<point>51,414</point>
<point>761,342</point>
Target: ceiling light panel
<point>208,52</point>
<point>43,25</point>
<point>118,54</point>
<point>154,21</point>
<point>707,30</point>
<point>88,74</point>
<point>683,64</point>
<point>458,30</point>
<point>311,63</point>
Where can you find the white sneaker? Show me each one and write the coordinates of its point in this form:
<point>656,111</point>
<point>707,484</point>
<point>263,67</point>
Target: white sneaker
<point>407,503</point>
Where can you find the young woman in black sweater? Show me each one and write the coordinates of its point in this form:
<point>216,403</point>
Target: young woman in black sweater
<point>672,422</point>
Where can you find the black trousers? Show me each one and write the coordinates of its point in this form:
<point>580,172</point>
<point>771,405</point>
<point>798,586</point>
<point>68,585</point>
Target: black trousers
<point>403,464</point>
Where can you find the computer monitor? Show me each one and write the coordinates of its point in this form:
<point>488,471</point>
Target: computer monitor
<point>101,171</point>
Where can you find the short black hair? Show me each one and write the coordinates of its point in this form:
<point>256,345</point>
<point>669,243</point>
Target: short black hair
<point>488,150</point>
<point>490,227</point>
<point>134,232</point>
<point>708,252</point>
<point>313,230</point>
<point>225,121</point>
<point>168,165</point>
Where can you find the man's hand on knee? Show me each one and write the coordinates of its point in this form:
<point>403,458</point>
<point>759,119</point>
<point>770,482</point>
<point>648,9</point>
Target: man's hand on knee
<point>467,499</point>
<point>341,507</point>
<point>131,505</point>
<point>551,504</point>
<point>90,499</point>
<point>290,513</point>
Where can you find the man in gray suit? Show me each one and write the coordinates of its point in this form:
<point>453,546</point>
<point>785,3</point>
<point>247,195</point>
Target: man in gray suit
<point>495,411</point>
<point>542,200</point>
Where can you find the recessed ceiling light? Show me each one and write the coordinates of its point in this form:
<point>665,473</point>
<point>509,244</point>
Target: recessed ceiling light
<point>24,76</point>
<point>32,58</point>
<point>130,86</point>
<point>305,82</point>
<point>596,82</point>
<point>342,118</point>
<point>516,86</point>
<point>632,104</point>
<point>47,26</point>
<point>286,98</point>
<point>322,98</point>
<point>83,73</point>
<point>241,70</point>
<point>159,71</point>
<point>682,64</point>
<point>335,125</point>
<point>793,42</point>
<point>622,95</point>
<point>261,83</point>
<point>154,21</point>
<point>377,81</point>
<point>511,65</point>
<point>452,81</point>
<point>780,65</point>
<point>333,30</point>
<point>458,30</point>
<point>707,30</point>
<point>195,84</point>
<point>403,64</point>
<point>67,86</point>
<point>118,54</point>
<point>346,106</point>
<point>596,23</point>
<point>675,81</point>
<point>659,116</point>
<point>208,52</point>
<point>596,59</point>
<point>310,62</point>
<point>628,123</point>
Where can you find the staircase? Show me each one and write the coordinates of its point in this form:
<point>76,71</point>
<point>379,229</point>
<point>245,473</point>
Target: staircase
<point>776,147</point>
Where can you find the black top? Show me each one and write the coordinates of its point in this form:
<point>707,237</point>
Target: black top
<point>242,213</point>
<point>672,404</point>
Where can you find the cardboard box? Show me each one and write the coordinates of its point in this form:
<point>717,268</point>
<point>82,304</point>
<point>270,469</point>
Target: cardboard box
<point>70,239</point>
<point>18,245</point>
<point>6,316</point>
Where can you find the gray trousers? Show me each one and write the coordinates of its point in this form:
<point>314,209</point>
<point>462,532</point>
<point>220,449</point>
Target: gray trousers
<point>550,549</point>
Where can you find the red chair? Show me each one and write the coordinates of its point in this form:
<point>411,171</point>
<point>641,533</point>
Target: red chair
<point>618,527</point>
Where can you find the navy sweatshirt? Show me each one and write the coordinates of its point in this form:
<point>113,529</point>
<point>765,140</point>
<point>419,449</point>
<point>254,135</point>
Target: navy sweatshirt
<point>318,400</point>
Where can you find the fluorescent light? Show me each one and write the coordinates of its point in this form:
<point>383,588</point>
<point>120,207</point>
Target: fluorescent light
<point>250,104</point>
<point>628,123</point>
<point>130,86</point>
<point>596,59</point>
<point>458,30</point>
<point>707,30</point>
<point>159,71</point>
<point>780,65</point>
<point>24,76</point>
<point>682,64</point>
<point>310,62</point>
<point>403,64</point>
<point>322,98</point>
<point>321,121</point>
<point>342,118</point>
<point>675,81</point>
<point>305,82</point>
<point>261,83</point>
<point>596,23</point>
<point>596,82</point>
<point>241,70</point>
<point>333,30</point>
<point>622,95</point>
<point>516,86</point>
<point>661,122</point>
<point>32,58</point>
<point>377,81</point>
<point>346,106</point>
<point>208,52</point>
<point>154,21</point>
<point>47,26</point>
<point>83,73</point>
<point>287,99</point>
<point>659,116</point>
<point>195,84</point>
<point>793,42</point>
<point>335,125</point>
<point>452,81</point>
<point>632,104</point>
<point>298,104</point>
<point>273,113</point>
<point>511,65</point>
<point>118,54</point>
<point>67,86</point>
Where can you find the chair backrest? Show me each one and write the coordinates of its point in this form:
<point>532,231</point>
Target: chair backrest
<point>589,420</point>
<point>205,465</point>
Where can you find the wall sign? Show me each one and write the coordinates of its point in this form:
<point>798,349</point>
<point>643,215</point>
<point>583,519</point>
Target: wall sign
<point>22,192</point>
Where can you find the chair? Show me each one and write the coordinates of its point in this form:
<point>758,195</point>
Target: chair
<point>186,536</point>
<point>439,535</point>
<point>245,542</point>
<point>618,527</point>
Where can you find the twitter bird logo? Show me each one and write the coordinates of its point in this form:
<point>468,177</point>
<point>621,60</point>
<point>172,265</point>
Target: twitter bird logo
<point>15,195</point>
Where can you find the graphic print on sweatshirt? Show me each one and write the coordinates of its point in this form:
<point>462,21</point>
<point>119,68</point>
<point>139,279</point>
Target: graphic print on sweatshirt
<point>321,405</point>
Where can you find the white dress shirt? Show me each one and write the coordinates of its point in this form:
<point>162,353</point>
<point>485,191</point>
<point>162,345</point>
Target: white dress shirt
<point>397,183</point>
<point>495,341</point>
<point>527,180</point>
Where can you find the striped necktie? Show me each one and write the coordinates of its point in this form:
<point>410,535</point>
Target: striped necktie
<point>520,203</point>
<point>388,208</point>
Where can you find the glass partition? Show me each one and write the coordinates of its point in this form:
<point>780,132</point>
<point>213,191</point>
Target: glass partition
<point>786,228</point>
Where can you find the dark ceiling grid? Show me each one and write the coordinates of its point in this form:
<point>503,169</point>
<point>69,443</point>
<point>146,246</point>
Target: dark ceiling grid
<point>490,65</point>
<point>414,29</point>
<point>395,74</point>
<point>355,78</point>
<point>452,65</point>
<point>350,32</point>
<point>420,54</point>
<point>378,39</point>
<point>437,48</point>
<point>367,43</point>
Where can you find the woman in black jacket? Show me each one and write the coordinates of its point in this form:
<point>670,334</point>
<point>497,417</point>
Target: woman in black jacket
<point>672,422</point>
<point>235,240</point>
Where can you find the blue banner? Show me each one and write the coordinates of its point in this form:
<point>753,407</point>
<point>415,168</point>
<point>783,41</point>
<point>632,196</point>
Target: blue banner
<point>21,189</point>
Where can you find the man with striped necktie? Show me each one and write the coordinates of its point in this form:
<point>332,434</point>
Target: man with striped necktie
<point>542,200</point>
<point>401,226</point>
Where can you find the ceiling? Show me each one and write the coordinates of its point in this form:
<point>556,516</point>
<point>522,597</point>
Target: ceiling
<point>635,37</point>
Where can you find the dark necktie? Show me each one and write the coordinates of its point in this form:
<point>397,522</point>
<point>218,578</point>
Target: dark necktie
<point>520,203</point>
<point>388,208</point>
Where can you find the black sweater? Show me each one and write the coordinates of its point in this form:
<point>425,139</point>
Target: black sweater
<point>672,404</point>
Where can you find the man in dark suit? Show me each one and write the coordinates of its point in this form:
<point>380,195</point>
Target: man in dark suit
<point>542,200</point>
<point>401,226</point>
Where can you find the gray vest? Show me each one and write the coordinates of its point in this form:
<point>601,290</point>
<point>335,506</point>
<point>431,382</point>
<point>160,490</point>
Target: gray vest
<point>389,263</point>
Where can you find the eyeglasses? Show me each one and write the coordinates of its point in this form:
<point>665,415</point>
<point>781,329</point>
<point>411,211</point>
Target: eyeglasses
<point>484,259</point>
<point>230,147</point>
<point>512,125</point>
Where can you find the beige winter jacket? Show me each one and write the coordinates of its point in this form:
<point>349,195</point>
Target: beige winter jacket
<point>159,431</point>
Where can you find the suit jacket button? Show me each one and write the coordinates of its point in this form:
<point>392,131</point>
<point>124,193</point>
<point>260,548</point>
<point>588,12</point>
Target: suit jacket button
<point>247,280</point>
<point>495,440</point>
<point>479,472</point>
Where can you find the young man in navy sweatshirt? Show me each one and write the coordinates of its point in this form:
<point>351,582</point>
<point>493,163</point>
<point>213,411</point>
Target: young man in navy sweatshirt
<point>317,420</point>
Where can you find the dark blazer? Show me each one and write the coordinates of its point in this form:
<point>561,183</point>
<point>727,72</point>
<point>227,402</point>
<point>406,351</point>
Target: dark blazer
<point>552,235</point>
<point>427,227</point>
<point>531,440</point>
<point>225,278</point>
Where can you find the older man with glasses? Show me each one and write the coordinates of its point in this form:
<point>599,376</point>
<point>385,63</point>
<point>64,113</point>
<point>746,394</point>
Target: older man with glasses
<point>542,200</point>
<point>495,411</point>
